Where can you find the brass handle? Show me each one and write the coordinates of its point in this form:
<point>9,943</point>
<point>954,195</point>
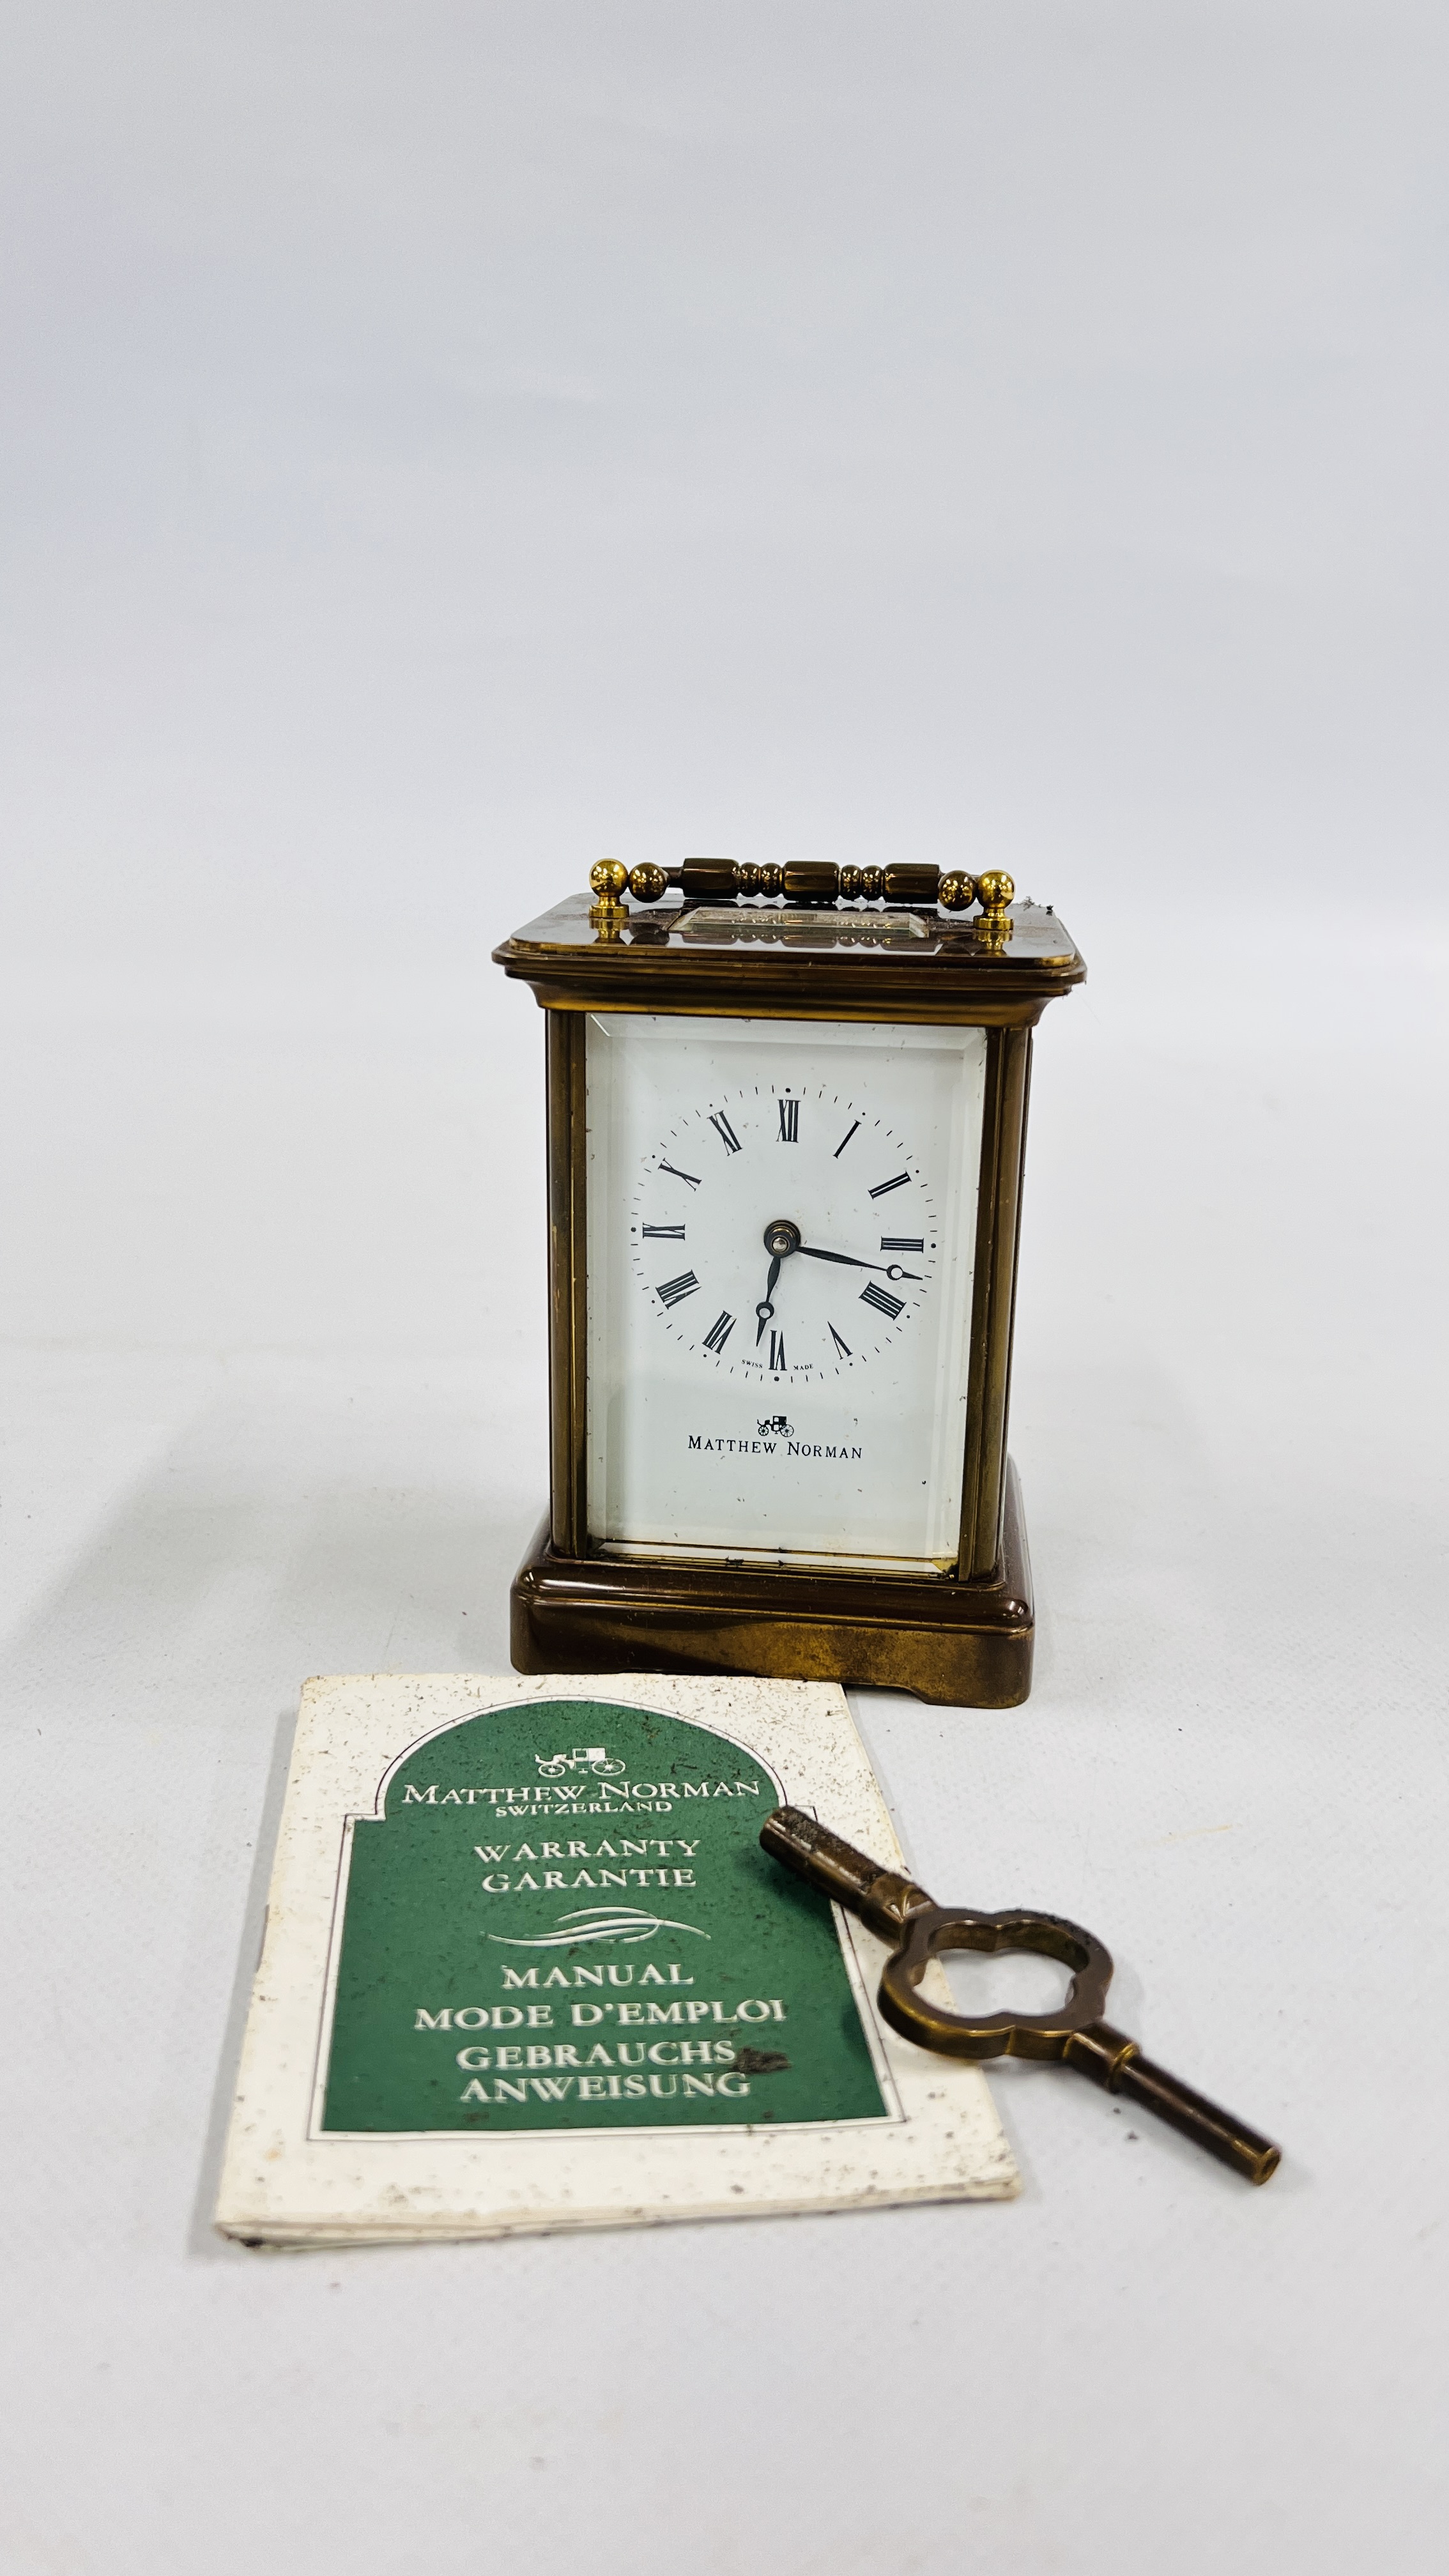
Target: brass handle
<point>810,881</point>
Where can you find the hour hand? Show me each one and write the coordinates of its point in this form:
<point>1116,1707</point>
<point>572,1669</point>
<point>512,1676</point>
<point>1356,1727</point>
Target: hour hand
<point>765,1310</point>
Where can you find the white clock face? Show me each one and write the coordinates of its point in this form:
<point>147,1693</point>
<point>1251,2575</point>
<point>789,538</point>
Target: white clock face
<point>781,1224</point>
<point>845,1257</point>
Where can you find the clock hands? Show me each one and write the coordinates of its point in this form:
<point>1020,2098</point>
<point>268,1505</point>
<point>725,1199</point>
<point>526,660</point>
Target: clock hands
<point>782,1237</point>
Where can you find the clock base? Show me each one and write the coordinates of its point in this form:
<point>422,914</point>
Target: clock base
<point>964,1645</point>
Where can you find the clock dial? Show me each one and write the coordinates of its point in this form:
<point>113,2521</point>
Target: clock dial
<point>781,1238</point>
<point>775,1190</point>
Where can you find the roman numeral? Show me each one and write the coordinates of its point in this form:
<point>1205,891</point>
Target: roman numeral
<point>789,1123</point>
<point>881,1299</point>
<point>691,1177</point>
<point>888,1242</point>
<point>882,1187</point>
<point>777,1350</point>
<point>719,1332</point>
<point>845,1140</point>
<point>675,1233</point>
<point>842,1346</point>
<point>725,1131</point>
<point>673,1289</point>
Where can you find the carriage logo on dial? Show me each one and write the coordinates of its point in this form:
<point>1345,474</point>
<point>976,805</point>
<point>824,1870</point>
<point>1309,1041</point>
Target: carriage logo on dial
<point>783,1233</point>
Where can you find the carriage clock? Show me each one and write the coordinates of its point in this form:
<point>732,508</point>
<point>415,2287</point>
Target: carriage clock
<point>786,1118</point>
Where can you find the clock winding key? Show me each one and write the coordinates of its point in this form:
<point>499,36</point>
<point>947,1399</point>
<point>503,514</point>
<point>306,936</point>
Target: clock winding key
<point>897,1910</point>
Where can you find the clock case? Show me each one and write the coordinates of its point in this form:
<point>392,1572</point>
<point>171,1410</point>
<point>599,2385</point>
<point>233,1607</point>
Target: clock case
<point>964,1638</point>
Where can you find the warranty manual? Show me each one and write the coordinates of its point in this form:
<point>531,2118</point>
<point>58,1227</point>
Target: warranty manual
<point>526,1967</point>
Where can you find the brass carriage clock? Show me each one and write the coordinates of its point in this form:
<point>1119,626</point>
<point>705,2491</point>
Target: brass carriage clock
<point>786,1117</point>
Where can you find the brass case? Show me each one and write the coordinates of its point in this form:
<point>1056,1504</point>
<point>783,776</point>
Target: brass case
<point>962,1638</point>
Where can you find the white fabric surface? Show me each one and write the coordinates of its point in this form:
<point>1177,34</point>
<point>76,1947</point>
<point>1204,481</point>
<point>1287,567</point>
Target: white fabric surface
<point>453,441</point>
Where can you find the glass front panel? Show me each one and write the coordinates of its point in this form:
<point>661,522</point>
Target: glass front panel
<point>781,1235</point>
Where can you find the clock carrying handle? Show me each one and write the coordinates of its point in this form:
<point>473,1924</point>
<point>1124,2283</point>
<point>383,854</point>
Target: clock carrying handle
<point>807,881</point>
<point>900,1912</point>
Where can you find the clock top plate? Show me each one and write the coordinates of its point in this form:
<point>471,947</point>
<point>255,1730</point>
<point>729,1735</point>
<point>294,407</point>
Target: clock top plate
<point>793,961</point>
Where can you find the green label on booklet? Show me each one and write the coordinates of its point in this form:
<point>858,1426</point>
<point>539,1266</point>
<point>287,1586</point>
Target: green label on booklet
<point>564,1920</point>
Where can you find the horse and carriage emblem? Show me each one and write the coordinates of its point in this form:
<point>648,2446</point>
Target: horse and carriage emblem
<point>584,1757</point>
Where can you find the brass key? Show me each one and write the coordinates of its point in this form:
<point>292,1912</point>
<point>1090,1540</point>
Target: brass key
<point>896,1910</point>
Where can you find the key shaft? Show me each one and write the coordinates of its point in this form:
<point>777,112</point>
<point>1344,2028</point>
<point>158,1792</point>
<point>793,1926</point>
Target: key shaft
<point>1107,2058</point>
<point>881,1897</point>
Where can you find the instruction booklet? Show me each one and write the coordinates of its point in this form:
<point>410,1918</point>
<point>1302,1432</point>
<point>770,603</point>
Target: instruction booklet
<point>527,1967</point>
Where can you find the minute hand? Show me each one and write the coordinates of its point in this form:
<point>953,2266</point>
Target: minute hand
<point>847,1261</point>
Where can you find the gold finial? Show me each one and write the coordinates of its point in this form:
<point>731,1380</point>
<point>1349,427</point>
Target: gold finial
<point>608,878</point>
<point>995,926</point>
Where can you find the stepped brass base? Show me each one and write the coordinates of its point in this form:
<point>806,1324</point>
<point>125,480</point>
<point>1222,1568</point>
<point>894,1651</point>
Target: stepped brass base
<point>967,1645</point>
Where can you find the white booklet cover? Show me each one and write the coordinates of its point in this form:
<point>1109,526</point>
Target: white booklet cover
<point>526,1967</point>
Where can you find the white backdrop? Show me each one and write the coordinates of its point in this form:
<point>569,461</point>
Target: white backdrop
<point>445,443</point>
